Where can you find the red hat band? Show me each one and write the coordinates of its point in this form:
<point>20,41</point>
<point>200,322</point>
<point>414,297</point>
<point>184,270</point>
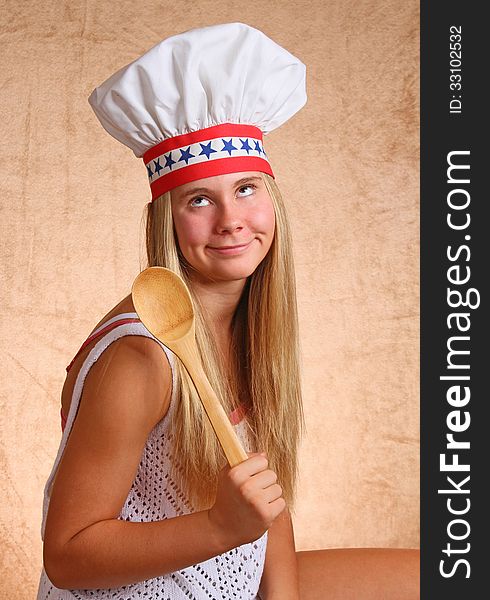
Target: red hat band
<point>226,148</point>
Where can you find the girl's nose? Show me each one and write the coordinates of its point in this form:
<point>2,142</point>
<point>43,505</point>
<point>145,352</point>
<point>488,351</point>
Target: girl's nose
<point>229,218</point>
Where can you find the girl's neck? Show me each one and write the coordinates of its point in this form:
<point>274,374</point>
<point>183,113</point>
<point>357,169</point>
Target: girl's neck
<point>219,301</point>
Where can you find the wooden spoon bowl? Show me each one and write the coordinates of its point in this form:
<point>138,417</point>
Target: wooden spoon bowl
<point>164,304</point>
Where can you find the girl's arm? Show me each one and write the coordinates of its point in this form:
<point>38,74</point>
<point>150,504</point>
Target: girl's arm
<point>280,577</point>
<point>126,393</point>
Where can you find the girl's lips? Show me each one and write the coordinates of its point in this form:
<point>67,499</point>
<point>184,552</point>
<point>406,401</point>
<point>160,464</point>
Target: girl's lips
<point>231,249</point>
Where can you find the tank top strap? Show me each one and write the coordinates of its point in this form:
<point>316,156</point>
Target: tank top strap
<point>121,319</point>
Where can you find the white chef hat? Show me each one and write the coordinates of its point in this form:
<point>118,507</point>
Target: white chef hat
<point>197,104</point>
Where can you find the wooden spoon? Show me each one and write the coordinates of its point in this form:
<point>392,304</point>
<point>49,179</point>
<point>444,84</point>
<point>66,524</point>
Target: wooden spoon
<point>164,305</point>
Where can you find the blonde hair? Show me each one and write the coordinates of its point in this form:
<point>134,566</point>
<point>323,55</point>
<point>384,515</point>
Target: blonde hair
<point>266,354</point>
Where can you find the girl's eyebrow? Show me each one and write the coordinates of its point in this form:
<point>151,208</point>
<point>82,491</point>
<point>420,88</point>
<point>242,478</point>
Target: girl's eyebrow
<point>203,190</point>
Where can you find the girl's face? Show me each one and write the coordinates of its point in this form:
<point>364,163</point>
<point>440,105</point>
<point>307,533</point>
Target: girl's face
<point>224,224</point>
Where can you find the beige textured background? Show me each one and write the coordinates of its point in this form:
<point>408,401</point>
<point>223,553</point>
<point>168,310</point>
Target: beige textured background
<point>71,245</point>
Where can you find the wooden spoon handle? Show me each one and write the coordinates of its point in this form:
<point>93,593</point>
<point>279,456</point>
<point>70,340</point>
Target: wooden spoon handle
<point>227,437</point>
<point>225,433</point>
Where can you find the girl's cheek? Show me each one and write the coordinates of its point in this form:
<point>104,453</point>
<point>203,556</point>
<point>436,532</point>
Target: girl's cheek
<point>192,230</point>
<point>265,218</point>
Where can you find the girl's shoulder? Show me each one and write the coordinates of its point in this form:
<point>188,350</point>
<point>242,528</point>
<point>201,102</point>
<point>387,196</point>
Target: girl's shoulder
<point>148,346</point>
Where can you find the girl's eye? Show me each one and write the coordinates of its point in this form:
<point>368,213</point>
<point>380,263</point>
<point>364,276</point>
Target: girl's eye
<point>198,198</point>
<point>248,187</point>
<point>244,190</point>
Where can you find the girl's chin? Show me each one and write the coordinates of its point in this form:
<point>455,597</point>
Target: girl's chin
<point>226,273</point>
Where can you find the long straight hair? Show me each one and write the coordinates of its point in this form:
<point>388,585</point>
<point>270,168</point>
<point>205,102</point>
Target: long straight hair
<point>265,350</point>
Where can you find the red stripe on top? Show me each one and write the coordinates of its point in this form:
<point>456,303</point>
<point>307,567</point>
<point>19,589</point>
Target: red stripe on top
<point>237,415</point>
<point>101,332</point>
<point>63,420</point>
<point>202,135</point>
<point>234,164</point>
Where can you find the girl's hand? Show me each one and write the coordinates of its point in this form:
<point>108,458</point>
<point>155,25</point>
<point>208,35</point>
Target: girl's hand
<point>248,500</point>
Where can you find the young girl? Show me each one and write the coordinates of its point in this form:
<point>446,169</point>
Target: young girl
<point>140,501</point>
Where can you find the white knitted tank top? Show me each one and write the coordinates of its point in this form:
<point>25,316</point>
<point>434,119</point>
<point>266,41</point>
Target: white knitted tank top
<point>155,496</point>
